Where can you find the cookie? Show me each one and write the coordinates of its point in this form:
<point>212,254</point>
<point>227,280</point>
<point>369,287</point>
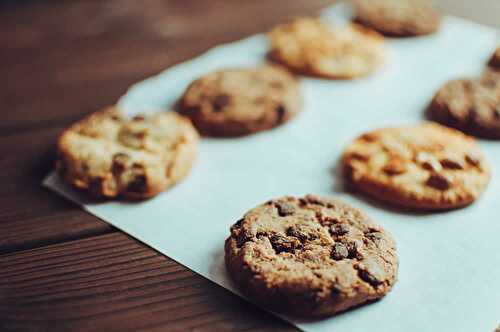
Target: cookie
<point>310,47</point>
<point>425,166</point>
<point>310,256</point>
<point>241,101</point>
<point>399,18</point>
<point>470,105</point>
<point>108,155</point>
<point>495,59</point>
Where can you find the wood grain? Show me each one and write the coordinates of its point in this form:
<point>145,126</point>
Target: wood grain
<point>62,269</point>
<point>113,283</point>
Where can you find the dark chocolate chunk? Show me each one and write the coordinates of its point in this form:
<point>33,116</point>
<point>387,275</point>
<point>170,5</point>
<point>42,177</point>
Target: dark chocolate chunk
<point>285,209</point>
<point>119,162</point>
<point>139,184</point>
<point>339,251</point>
<point>439,182</point>
<point>451,163</point>
<point>220,102</point>
<point>282,243</point>
<point>366,276</point>
<point>339,229</point>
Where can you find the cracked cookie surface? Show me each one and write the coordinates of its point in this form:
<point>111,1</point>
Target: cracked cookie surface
<point>425,166</point>
<point>311,47</point>
<point>470,105</point>
<point>241,101</point>
<point>401,18</point>
<point>109,155</point>
<point>310,256</point>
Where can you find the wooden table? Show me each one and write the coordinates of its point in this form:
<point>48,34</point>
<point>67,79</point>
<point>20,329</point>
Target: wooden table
<point>61,268</point>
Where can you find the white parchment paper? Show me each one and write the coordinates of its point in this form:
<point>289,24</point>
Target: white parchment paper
<point>449,276</point>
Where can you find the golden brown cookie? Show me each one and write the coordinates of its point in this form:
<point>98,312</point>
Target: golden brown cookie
<point>241,101</point>
<point>401,18</point>
<point>311,47</point>
<point>470,105</point>
<point>108,155</point>
<point>425,166</point>
<point>310,256</point>
<point>495,59</point>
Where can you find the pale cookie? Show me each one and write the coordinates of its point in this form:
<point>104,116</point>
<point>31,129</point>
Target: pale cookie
<point>425,166</point>
<point>398,17</point>
<point>311,47</point>
<point>241,101</point>
<point>470,105</point>
<point>310,256</point>
<point>495,59</point>
<point>108,155</point>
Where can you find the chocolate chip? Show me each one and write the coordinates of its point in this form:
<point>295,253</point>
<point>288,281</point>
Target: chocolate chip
<point>394,167</point>
<point>472,160</point>
<point>428,162</point>
<point>281,243</point>
<point>138,184</point>
<point>280,113</point>
<point>339,229</point>
<point>119,162</point>
<point>96,185</point>
<point>432,165</point>
<point>352,248</point>
<point>300,233</point>
<point>285,209</point>
<point>366,276</point>
<point>451,163</point>
<point>439,182</point>
<point>220,102</point>
<point>242,236</point>
<point>339,251</point>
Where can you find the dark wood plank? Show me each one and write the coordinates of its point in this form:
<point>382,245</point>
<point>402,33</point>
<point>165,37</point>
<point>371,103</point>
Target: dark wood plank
<point>62,60</point>
<point>31,215</point>
<point>80,47</point>
<point>113,283</point>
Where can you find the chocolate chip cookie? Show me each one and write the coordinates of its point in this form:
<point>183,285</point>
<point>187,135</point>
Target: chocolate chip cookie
<point>108,155</point>
<point>470,105</point>
<point>495,59</point>
<point>310,256</point>
<point>241,101</point>
<point>309,46</point>
<point>425,166</point>
<point>401,18</point>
